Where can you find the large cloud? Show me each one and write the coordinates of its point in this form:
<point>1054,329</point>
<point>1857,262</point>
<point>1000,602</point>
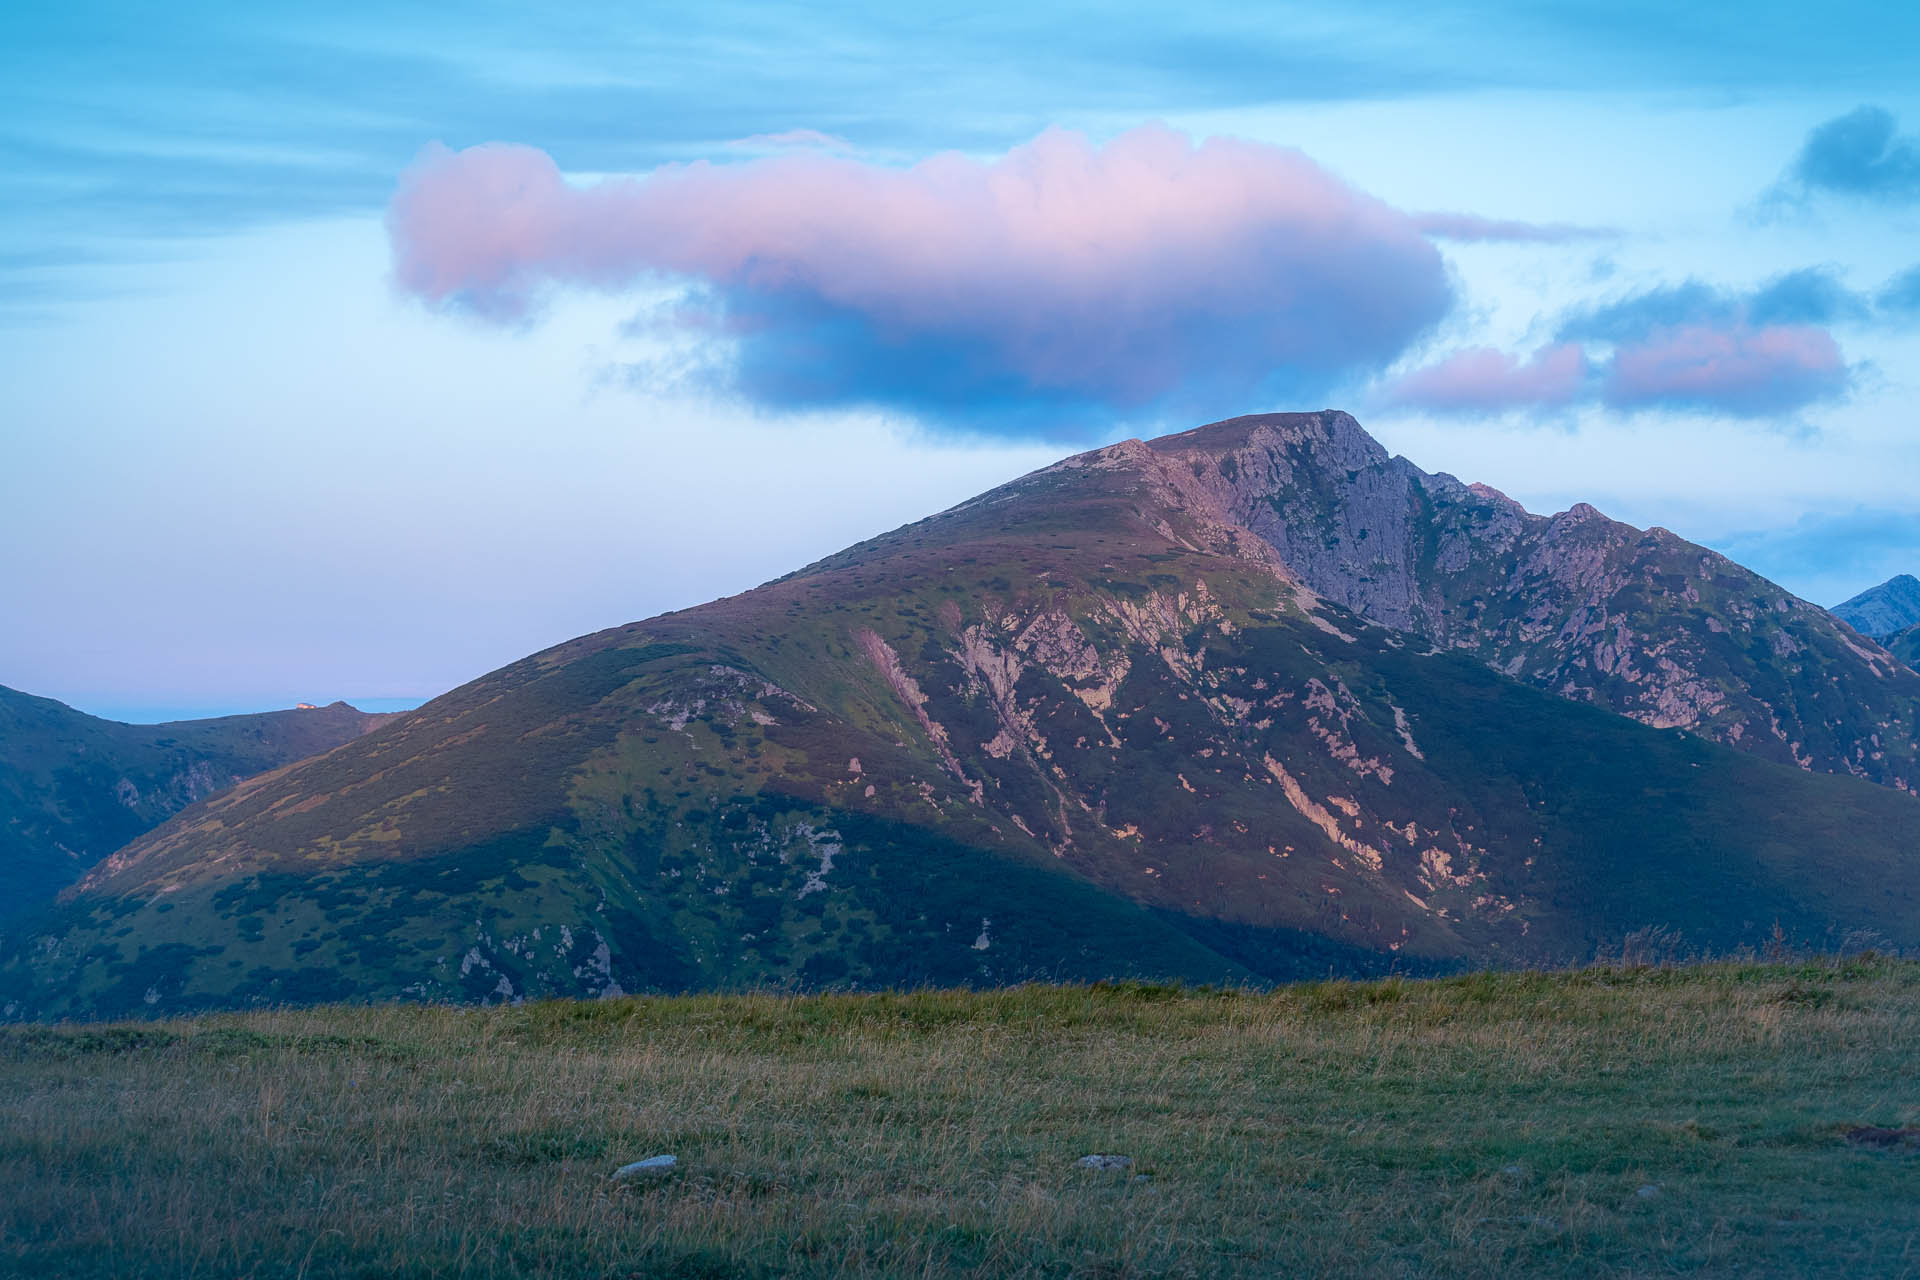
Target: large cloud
<point>1766,352</point>
<point>1074,280</point>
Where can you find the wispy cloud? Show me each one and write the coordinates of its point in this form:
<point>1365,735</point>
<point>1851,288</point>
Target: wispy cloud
<point>1900,297</point>
<point>1075,280</point>
<point>1473,228</point>
<point>1744,370</point>
<point>791,140</point>
<point>1486,380</point>
<point>1861,155</point>
<point>1758,353</point>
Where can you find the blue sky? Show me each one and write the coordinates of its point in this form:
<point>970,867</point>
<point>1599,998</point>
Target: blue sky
<point>244,461</point>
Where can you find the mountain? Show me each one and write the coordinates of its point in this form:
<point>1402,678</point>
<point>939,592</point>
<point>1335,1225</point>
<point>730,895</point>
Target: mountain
<point>1123,716</point>
<point>1881,611</point>
<point>1905,645</point>
<point>73,787</point>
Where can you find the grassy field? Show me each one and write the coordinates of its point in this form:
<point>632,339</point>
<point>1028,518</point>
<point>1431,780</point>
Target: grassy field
<point>1488,1125</point>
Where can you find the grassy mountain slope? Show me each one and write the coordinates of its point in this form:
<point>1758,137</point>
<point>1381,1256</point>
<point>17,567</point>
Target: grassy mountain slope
<point>73,787</point>
<point>1081,726</point>
<point>1905,645</point>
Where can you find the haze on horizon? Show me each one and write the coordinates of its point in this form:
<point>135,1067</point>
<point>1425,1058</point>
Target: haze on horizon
<point>354,355</point>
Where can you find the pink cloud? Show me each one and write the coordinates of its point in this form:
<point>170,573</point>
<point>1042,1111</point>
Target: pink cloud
<point>1112,276</point>
<point>1483,380</point>
<point>1739,368</point>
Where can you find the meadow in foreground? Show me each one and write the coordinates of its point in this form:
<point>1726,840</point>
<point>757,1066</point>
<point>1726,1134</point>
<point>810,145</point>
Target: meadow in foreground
<point>1598,1122</point>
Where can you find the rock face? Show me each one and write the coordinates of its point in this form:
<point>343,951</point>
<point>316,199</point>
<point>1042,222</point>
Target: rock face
<point>1121,718</point>
<point>73,787</point>
<point>1885,610</point>
<point>1637,621</point>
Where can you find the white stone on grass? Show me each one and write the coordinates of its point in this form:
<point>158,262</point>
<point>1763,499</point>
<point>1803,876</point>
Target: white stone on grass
<point>1105,1163</point>
<point>652,1166</point>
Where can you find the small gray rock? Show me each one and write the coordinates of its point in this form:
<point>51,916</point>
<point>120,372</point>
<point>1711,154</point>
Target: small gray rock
<point>1105,1163</point>
<point>1648,1192</point>
<point>652,1166</point>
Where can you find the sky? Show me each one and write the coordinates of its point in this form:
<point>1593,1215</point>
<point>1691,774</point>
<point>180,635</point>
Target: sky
<point>353,351</point>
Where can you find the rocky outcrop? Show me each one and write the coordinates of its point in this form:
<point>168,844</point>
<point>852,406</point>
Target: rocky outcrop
<point>1641,622</point>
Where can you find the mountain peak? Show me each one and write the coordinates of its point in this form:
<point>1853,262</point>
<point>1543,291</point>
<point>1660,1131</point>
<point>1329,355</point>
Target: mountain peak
<point>1332,433</point>
<point>1881,611</point>
<point>1576,602</point>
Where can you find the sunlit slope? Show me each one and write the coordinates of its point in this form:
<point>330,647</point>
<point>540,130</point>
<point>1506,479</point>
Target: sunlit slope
<point>1639,621</point>
<point>1081,726</point>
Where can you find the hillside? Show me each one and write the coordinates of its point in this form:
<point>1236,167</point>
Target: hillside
<point>1089,724</point>
<point>73,787</point>
<point>1608,1122</point>
<point>1882,611</point>
<point>1905,645</point>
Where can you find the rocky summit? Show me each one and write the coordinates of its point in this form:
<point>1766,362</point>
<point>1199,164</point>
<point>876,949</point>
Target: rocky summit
<point>1641,622</point>
<point>1248,703</point>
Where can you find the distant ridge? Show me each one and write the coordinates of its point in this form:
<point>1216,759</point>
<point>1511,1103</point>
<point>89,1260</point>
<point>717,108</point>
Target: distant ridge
<point>1881,611</point>
<point>75,787</point>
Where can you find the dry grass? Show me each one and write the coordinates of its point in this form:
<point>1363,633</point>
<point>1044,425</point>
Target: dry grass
<point>1492,1125</point>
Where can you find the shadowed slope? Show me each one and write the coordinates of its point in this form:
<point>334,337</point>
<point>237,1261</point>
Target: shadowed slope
<point>1905,645</point>
<point>74,787</point>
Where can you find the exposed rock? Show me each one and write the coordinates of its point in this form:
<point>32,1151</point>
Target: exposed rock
<point>1639,621</point>
<point>651,1167</point>
<point>1105,1164</point>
